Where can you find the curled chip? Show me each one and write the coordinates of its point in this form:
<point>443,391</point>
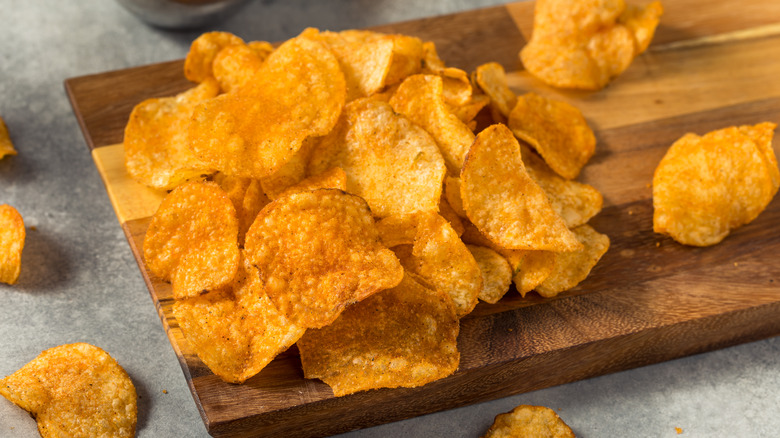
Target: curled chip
<point>390,162</point>
<point>12,235</point>
<point>318,252</point>
<point>706,186</point>
<point>571,268</point>
<point>420,98</point>
<point>236,331</point>
<point>583,44</point>
<point>491,78</point>
<point>236,65</point>
<point>75,390</point>
<point>156,150</point>
<point>557,130</point>
<point>531,422</point>
<point>298,92</point>
<point>496,273</point>
<point>443,261</point>
<point>504,203</point>
<point>575,202</point>
<point>402,337</point>
<point>199,61</point>
<point>192,240</point>
<point>6,147</point>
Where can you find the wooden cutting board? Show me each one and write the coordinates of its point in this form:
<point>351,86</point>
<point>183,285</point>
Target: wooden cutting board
<point>711,65</point>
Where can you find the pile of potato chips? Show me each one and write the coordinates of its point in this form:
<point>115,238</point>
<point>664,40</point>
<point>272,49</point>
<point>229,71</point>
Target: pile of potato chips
<point>338,192</point>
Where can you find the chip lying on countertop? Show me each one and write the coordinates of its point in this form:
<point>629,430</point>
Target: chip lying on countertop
<point>352,190</point>
<point>12,235</point>
<point>529,422</point>
<point>6,147</point>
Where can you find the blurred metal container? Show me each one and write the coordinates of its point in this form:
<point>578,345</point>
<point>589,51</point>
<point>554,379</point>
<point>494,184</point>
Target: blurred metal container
<point>182,14</point>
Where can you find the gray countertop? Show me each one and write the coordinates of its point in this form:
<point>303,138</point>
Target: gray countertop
<point>80,282</point>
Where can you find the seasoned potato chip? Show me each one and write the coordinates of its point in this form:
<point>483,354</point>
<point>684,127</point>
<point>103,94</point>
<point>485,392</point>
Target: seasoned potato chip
<point>236,331</point>
<point>468,111</point>
<point>408,53</point>
<point>529,422</point>
<point>491,78</point>
<point>75,390</point>
<point>575,202</point>
<point>573,267</point>
<point>333,178</point>
<point>504,203</point>
<point>402,337</point>
<point>533,268</point>
<point>557,130</point>
<point>585,43</point>
<point>236,65</point>
<point>156,150</point>
<point>420,99</point>
<point>291,173</point>
<point>318,252</point>
<point>706,186</point>
<point>456,85</point>
<point>452,193</point>
<point>496,273</point>
<point>199,60</point>
<point>12,235</point>
<point>447,212</point>
<point>6,147</point>
<point>248,199</point>
<point>398,230</point>
<point>390,162</point>
<point>298,92</point>
<point>261,48</point>
<point>192,240</point>
<point>443,261</point>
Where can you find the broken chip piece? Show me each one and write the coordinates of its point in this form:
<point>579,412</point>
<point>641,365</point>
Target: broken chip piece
<point>12,235</point>
<point>529,422</point>
<point>706,186</point>
<point>6,146</point>
<point>401,337</point>
<point>75,390</point>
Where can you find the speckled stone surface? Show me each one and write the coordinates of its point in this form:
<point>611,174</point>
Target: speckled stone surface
<point>80,282</point>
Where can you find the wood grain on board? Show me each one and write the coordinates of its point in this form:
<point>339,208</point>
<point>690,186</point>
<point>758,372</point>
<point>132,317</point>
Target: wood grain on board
<point>711,65</point>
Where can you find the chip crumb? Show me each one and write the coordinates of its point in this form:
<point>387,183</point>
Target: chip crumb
<point>736,264</point>
<point>630,212</point>
<point>657,244</point>
<point>165,391</point>
<point>678,430</point>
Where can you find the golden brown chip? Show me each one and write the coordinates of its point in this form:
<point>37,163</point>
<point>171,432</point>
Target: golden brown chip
<point>468,111</point>
<point>571,268</point>
<point>291,173</point>
<point>390,162</point>
<point>491,78</point>
<point>298,92</point>
<point>75,390</point>
<point>456,85</point>
<point>496,273</point>
<point>533,268</point>
<point>198,64</point>
<point>642,21</point>
<point>318,252</point>
<point>398,230</point>
<point>261,48</point>
<point>420,98</point>
<point>12,235</point>
<point>236,65</point>
<point>447,212</point>
<point>706,186</point>
<point>156,150</point>
<point>408,53</point>
<point>504,203</point>
<point>557,130</point>
<point>192,240</point>
<point>529,422</point>
<point>6,147</point>
<point>333,178</point>
<point>575,202</point>
<point>236,331</point>
<point>444,262</point>
<point>402,337</point>
<point>254,201</point>
<point>452,193</point>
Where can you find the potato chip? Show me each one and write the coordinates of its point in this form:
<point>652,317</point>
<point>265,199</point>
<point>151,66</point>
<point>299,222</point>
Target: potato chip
<point>390,162</point>
<point>299,92</point>
<point>156,148</point>
<point>706,186</point>
<point>504,203</point>
<point>254,201</point>
<point>402,337</point>
<point>452,193</point>
<point>236,65</point>
<point>585,44</point>
<point>192,240</point>
<point>571,268</point>
<point>443,261</point>
<point>408,53</point>
<point>491,78</point>
<point>447,212</point>
<point>333,178</point>
<point>6,146</point>
<point>291,173</point>
<point>529,422</point>
<point>468,111</point>
<point>261,48</point>
<point>236,331</point>
<point>365,58</point>
<point>12,235</point>
<point>398,230</point>
<point>456,85</point>
<point>420,99</point>
<point>318,252</point>
<point>575,202</point>
<point>75,390</point>
<point>496,273</point>
<point>557,130</point>
<point>199,60</point>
